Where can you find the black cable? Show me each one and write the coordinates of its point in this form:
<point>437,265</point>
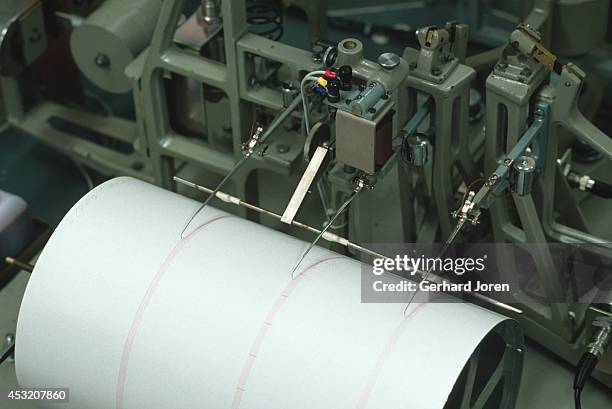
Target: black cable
<point>584,369</point>
<point>597,187</point>
<point>602,189</point>
<point>577,398</point>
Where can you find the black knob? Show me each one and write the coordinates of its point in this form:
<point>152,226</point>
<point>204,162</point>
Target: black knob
<point>346,77</point>
<point>333,90</point>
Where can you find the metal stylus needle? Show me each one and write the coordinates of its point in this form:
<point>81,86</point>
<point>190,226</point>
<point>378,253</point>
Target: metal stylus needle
<point>327,226</point>
<point>227,177</point>
<point>249,148</point>
<point>447,244</point>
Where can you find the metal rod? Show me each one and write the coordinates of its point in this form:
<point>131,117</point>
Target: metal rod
<point>281,117</point>
<point>331,237</point>
<point>9,352</point>
<point>24,266</point>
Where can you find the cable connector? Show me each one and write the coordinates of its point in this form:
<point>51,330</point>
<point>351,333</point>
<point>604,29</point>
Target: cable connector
<point>599,345</point>
<point>602,339</point>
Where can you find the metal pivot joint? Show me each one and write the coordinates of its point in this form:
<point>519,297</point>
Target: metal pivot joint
<point>248,148</point>
<point>516,171</point>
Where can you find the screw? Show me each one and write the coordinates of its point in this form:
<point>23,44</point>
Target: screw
<point>436,71</point>
<point>507,161</point>
<point>102,60</point>
<point>282,148</point>
<point>385,97</point>
<point>372,110</point>
<point>502,65</point>
<point>571,315</point>
<point>539,112</point>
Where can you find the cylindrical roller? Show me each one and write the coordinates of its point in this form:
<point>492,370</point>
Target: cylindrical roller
<point>128,315</point>
<point>416,149</point>
<point>523,174</point>
<point>110,38</point>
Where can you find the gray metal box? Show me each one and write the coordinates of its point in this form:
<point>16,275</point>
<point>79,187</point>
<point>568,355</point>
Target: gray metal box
<point>357,142</point>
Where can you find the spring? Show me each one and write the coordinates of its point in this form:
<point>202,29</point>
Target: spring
<point>265,19</point>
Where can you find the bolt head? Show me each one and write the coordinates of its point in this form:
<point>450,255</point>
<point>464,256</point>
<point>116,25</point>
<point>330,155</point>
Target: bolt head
<point>102,60</point>
<point>389,60</point>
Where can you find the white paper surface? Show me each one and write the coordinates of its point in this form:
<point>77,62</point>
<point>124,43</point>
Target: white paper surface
<point>127,316</point>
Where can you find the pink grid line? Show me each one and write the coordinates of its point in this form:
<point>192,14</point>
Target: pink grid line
<point>267,323</point>
<point>129,342</point>
<point>384,355</point>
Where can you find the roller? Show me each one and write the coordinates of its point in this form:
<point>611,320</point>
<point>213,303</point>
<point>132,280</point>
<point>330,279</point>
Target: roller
<point>126,314</point>
<point>112,37</point>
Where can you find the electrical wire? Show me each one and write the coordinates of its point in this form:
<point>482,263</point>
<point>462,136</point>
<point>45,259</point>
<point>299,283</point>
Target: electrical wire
<point>311,76</point>
<point>577,402</point>
<point>306,108</point>
<point>584,369</point>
